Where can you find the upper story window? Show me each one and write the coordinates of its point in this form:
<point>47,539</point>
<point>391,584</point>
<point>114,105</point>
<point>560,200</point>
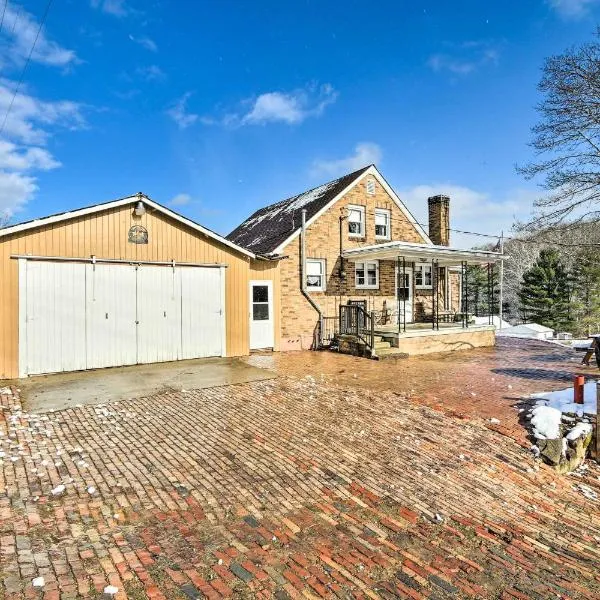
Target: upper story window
<point>382,223</point>
<point>423,276</point>
<point>315,274</point>
<point>356,221</point>
<point>371,187</point>
<point>367,274</point>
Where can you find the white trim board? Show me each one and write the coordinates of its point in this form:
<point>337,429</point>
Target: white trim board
<point>372,171</point>
<point>43,221</point>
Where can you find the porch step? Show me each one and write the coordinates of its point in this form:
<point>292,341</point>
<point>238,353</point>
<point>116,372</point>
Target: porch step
<point>390,353</point>
<point>381,345</point>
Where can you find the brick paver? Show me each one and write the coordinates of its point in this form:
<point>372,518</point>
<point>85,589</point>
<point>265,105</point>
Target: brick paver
<point>287,488</point>
<point>486,383</point>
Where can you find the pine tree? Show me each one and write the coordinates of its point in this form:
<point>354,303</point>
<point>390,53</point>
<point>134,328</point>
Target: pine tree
<point>586,291</point>
<point>545,291</point>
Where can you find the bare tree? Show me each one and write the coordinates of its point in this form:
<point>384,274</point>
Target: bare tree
<point>567,138</point>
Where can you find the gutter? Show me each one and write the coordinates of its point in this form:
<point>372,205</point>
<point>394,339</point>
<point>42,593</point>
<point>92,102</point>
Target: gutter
<point>303,277</point>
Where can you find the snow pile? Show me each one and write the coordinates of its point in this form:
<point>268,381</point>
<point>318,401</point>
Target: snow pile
<point>496,321</point>
<point>563,430</point>
<point>546,422</point>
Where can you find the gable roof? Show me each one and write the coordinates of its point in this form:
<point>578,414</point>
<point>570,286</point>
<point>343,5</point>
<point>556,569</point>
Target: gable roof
<point>271,228</point>
<point>56,218</point>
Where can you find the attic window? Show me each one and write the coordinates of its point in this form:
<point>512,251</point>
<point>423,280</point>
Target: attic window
<point>356,221</point>
<point>370,187</point>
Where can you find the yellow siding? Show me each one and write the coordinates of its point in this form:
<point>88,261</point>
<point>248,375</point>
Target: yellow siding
<point>104,235</point>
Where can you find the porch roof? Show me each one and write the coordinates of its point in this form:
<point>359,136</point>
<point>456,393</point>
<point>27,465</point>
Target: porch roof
<point>443,255</point>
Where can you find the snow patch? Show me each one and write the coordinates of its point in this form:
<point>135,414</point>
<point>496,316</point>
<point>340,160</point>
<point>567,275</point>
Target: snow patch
<point>546,422</point>
<point>562,400</point>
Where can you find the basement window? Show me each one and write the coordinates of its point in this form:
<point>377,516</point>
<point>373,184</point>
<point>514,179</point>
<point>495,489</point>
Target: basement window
<point>356,221</point>
<point>367,275</point>
<point>315,274</point>
<point>423,277</point>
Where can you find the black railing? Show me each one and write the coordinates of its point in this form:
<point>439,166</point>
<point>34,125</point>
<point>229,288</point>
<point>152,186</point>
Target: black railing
<point>330,329</point>
<point>355,320</point>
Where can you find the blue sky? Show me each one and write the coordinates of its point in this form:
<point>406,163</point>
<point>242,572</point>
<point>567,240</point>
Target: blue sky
<point>218,108</point>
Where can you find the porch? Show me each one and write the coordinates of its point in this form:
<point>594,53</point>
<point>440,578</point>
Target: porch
<point>430,311</point>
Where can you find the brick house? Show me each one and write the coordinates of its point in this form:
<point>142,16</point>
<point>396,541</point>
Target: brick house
<point>361,246</point>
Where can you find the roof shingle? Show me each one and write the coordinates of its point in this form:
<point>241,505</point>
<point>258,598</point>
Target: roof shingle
<point>268,227</point>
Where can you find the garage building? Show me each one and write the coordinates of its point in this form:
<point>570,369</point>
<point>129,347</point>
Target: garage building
<point>128,282</point>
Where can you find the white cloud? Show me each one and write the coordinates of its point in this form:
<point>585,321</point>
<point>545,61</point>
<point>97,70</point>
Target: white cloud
<point>144,42</point>
<point>365,153</point>
<point>18,34</point>
<point>116,8</point>
<point>465,58</point>
<point>472,210</point>
<point>29,115</point>
<point>290,107</point>
<point>278,107</point>
<point>151,73</point>
<point>18,158</point>
<point>29,125</point>
<point>179,113</point>
<point>16,190</point>
<point>572,9</point>
<point>180,200</point>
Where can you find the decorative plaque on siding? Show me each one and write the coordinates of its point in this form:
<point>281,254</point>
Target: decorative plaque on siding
<point>138,235</point>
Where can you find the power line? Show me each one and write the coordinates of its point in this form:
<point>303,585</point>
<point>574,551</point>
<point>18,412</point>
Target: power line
<point>18,86</point>
<point>3,13</point>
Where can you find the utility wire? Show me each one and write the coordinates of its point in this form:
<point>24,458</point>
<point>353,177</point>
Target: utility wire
<point>3,13</point>
<point>18,86</point>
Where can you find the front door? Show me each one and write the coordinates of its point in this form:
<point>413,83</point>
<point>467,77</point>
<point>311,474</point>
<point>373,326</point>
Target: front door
<point>404,294</point>
<point>262,331</point>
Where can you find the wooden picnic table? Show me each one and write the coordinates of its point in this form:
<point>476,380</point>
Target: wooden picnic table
<point>594,349</point>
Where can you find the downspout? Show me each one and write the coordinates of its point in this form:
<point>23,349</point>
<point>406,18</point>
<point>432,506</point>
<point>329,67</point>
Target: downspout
<point>303,275</point>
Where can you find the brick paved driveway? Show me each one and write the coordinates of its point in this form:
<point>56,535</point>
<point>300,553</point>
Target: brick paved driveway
<point>487,383</point>
<point>292,487</point>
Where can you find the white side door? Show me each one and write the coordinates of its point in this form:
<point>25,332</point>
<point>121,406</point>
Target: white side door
<point>158,314</point>
<point>202,311</point>
<point>404,294</point>
<point>262,331</point>
<point>52,317</point>
<point>111,315</point>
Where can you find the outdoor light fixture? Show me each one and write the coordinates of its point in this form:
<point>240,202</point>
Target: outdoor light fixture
<point>140,209</point>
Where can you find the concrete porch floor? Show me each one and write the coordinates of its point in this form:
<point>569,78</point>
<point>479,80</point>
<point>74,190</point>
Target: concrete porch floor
<point>58,391</point>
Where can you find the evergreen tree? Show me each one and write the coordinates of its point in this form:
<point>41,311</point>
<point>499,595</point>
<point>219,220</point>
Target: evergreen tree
<point>586,291</point>
<point>477,293</point>
<point>545,291</point>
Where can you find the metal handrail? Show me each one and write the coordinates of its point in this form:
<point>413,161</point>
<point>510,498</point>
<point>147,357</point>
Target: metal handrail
<point>355,320</point>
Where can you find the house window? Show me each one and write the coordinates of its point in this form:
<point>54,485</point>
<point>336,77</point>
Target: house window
<point>315,274</point>
<point>370,187</point>
<point>356,221</point>
<point>423,276</point>
<point>382,224</point>
<point>367,275</point>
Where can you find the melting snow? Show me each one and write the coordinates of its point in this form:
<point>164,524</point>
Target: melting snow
<point>562,400</point>
<point>546,422</point>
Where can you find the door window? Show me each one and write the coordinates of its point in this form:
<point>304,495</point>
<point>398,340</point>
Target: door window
<point>260,303</point>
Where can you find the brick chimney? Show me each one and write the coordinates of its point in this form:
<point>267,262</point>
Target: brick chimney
<point>439,219</point>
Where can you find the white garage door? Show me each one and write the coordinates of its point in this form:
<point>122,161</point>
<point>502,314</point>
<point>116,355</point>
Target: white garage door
<point>76,316</point>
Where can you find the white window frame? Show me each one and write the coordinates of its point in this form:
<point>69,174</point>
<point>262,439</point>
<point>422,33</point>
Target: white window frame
<point>322,262</point>
<point>422,269</point>
<point>363,213</point>
<point>388,215</point>
<point>366,285</point>
<point>370,187</point>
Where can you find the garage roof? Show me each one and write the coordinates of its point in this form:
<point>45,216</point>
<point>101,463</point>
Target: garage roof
<point>88,210</point>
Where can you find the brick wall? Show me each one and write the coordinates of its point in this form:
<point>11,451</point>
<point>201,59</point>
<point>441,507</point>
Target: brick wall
<point>323,241</point>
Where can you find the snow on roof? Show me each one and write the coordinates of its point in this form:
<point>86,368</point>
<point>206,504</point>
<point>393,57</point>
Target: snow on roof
<point>268,227</point>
